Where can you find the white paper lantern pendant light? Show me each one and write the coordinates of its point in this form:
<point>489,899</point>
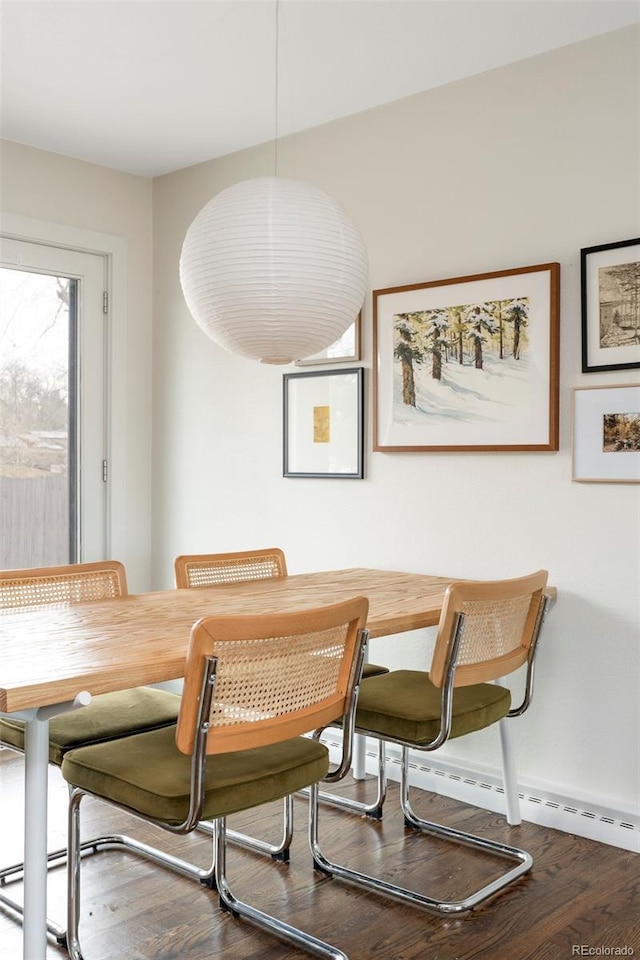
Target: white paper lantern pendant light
<point>273,269</point>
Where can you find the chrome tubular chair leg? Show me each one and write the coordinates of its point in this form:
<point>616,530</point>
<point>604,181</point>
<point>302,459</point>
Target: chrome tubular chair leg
<point>70,938</point>
<point>53,928</point>
<point>263,920</point>
<point>16,871</point>
<point>449,833</point>
<point>279,851</point>
<point>55,857</point>
<point>155,855</point>
<point>206,876</point>
<point>114,841</point>
<point>73,876</point>
<point>373,810</point>
<point>447,907</point>
<point>523,859</point>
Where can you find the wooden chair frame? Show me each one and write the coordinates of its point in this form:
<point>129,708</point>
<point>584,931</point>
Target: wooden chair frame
<point>208,569</point>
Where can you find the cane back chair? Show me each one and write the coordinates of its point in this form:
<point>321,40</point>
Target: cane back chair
<point>211,569</point>
<point>487,630</point>
<point>253,686</point>
<point>109,715</point>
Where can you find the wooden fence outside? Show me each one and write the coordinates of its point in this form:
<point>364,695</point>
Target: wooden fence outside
<point>34,521</point>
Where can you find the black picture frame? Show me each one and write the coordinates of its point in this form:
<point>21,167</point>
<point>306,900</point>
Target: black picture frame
<point>610,304</point>
<point>323,424</point>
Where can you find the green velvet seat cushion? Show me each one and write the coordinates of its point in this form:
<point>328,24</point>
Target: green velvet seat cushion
<point>404,705</point>
<point>373,670</point>
<point>148,774</point>
<point>108,716</point>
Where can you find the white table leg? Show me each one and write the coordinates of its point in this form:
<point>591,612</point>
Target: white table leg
<point>512,797</point>
<point>359,757</point>
<point>35,838</point>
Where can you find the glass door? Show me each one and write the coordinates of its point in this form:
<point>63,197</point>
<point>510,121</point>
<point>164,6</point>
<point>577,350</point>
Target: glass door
<point>53,462</point>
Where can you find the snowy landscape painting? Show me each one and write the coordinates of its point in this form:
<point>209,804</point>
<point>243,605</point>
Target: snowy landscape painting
<point>469,363</point>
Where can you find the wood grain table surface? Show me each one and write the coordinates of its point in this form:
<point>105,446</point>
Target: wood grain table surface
<point>50,654</point>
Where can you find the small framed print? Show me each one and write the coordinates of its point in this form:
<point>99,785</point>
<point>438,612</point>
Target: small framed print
<point>610,283</point>
<point>606,434</point>
<point>323,424</point>
<point>346,349</point>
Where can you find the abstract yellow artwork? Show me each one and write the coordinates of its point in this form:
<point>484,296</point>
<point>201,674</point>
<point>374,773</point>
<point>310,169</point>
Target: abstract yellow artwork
<point>322,424</point>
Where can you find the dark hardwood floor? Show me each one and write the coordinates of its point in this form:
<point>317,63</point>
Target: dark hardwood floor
<point>580,896</point>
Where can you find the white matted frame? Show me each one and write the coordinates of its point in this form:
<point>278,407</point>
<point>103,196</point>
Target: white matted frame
<point>346,349</point>
<point>468,363</point>
<point>323,424</point>
<point>606,434</point>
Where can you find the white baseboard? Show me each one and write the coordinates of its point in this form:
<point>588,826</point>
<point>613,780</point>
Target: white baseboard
<point>483,788</point>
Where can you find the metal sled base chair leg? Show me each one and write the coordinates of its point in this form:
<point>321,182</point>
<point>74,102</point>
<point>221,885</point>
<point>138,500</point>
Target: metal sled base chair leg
<point>278,850</point>
<point>373,808</point>
<point>486,630</point>
<point>254,685</point>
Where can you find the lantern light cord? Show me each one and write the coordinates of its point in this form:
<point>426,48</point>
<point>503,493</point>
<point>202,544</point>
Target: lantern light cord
<point>276,85</point>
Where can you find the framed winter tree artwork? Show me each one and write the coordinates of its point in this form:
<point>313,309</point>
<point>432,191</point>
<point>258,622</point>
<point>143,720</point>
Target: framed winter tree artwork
<point>610,277</point>
<point>469,363</point>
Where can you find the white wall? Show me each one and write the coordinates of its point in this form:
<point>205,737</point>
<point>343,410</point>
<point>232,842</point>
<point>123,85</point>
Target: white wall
<point>521,165</point>
<point>69,198</point>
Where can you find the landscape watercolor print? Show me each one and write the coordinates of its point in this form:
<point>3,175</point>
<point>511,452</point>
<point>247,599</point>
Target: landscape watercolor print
<point>469,363</point>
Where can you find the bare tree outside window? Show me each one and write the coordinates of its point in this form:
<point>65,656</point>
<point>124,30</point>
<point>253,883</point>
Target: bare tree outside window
<point>34,418</point>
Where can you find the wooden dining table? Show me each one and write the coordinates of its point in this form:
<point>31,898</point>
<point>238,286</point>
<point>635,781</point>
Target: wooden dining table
<point>56,656</point>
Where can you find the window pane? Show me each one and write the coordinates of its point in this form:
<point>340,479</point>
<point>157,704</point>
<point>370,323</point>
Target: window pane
<point>37,321</point>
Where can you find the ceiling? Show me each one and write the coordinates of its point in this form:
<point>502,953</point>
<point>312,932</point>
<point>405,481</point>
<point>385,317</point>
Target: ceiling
<point>153,86</point>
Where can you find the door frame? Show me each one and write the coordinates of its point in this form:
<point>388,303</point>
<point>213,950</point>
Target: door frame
<point>114,250</point>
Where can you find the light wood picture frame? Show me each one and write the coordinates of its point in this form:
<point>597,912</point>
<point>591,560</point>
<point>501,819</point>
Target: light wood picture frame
<point>468,363</point>
<point>346,349</point>
<point>606,434</point>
